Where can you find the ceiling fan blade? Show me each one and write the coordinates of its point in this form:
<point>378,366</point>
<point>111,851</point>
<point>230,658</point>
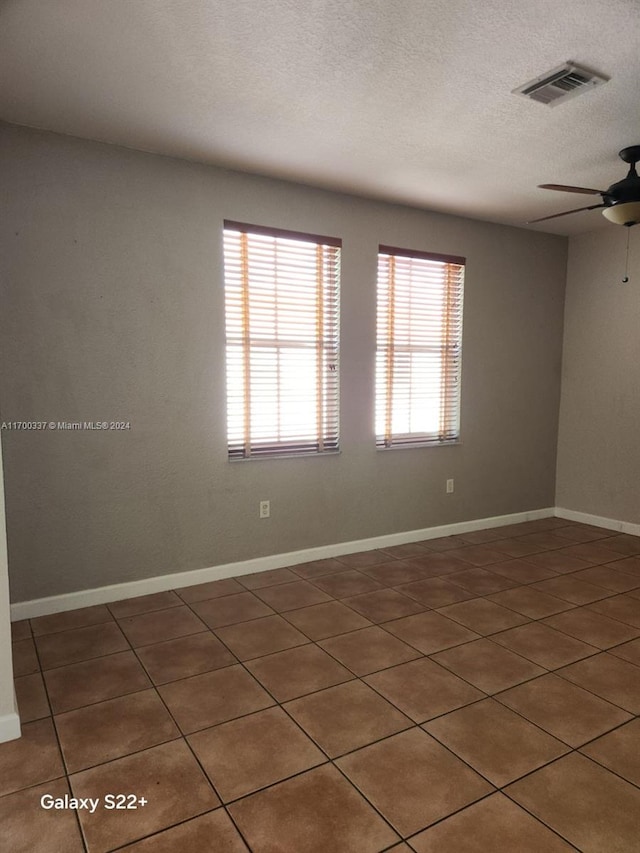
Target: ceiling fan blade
<point>567,189</point>
<point>565,213</point>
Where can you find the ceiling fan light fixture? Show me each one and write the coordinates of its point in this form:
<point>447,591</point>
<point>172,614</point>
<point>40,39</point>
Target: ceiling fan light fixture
<point>627,213</point>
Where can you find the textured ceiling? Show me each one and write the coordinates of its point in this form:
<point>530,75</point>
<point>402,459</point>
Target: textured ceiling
<point>403,100</point>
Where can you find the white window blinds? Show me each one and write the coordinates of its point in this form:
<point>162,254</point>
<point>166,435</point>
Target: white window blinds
<point>419,348</point>
<point>282,304</point>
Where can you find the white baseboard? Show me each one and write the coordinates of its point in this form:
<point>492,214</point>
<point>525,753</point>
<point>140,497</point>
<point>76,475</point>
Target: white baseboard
<point>598,521</point>
<point>9,727</point>
<point>160,583</point>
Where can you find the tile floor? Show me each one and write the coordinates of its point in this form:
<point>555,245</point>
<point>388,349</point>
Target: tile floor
<point>474,693</point>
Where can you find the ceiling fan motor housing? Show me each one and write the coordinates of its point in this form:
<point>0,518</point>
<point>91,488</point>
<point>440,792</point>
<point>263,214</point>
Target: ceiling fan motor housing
<point>625,194</point>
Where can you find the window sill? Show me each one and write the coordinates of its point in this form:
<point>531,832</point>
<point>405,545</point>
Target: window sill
<point>274,457</point>
<point>417,446</point>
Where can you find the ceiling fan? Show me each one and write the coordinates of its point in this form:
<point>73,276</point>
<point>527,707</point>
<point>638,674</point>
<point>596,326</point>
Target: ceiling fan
<point>621,202</point>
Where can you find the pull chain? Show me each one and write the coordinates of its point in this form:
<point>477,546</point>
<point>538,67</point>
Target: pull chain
<point>626,262</point>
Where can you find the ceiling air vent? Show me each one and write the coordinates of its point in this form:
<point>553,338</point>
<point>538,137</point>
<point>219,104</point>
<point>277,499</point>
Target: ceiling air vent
<point>561,83</point>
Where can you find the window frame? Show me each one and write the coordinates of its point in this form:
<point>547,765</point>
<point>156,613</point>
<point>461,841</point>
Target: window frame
<point>326,343</point>
<point>450,428</point>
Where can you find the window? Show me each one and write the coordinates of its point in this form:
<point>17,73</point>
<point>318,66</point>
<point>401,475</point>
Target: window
<point>282,302</point>
<point>419,347</point>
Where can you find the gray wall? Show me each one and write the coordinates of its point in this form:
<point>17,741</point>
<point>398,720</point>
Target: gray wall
<point>599,439</point>
<point>113,310</point>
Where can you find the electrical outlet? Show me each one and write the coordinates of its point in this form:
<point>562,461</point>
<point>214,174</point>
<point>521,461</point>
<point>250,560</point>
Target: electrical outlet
<point>449,487</point>
<point>265,509</point>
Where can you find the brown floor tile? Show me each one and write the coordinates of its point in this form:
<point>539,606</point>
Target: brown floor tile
<point>547,540</point>
<point>260,637</point>
<point>384,604</point>
<point>161,775</point>
<point>218,612</point>
<point>292,673</point>
<point>434,565</point>
<point>576,534</point>
<point>520,528</point>
<point>628,651</point>
<point>430,632</point>
<point>401,848</point>
<point>214,697</point>
<point>292,596</point>
<point>70,619</point>
<point>619,751</point>
<point>494,741</point>
<point>544,646</point>
<point>592,552</point>
<point>160,625</point>
<point>31,759</point>
<point>487,666</point>
<point>25,659</point>
<point>481,582</point>
<point>346,584</point>
<point>592,628</point>
<point>624,543</point>
<point>631,565</point>
<point>318,568</point>
<point>326,620</point>
<point>516,548</point>
<point>481,537</point>
<point>522,571</point>
<point>80,644</point>
<point>558,561</point>
<point>31,697</point>
<point>571,589</point>
<point>212,589</point>
<point>624,608</point>
<point>369,650</point>
<point>610,677</point>
<point>482,616</point>
<point>111,729</point>
<point>395,773</point>
<point>184,657</point>
<point>394,573</point>
<point>211,833</point>
<point>363,558</point>
<point>422,689</point>
<point>608,577</point>
<point>435,592</point>
<point>20,630</point>
<point>563,709</point>
<point>260,580</point>
<point>316,812</point>
<point>635,593</point>
<point>444,543</point>
<point>245,755</point>
<point>144,604</point>
<point>95,680</point>
<point>410,549</point>
<point>530,602</point>
<point>478,555</point>
<point>586,804</point>
<point>346,717</point>
<point>28,828</point>
<point>493,824</point>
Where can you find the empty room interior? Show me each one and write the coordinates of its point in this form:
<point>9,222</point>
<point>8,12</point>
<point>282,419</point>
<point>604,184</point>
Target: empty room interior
<point>320,405</point>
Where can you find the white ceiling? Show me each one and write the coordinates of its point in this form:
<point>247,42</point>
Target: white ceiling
<point>404,100</point>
